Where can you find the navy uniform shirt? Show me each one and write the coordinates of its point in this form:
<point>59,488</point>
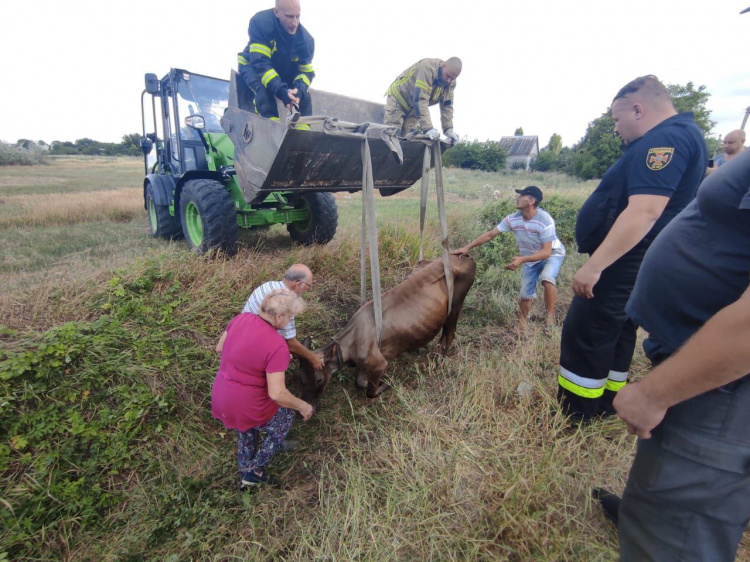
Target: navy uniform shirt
<point>669,160</point>
<point>699,264</point>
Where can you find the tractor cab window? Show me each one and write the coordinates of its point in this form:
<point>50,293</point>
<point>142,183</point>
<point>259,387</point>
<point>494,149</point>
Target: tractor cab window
<point>200,95</point>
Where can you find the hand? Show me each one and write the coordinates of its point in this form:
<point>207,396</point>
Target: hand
<point>293,100</point>
<point>584,281</point>
<point>515,263</point>
<point>637,408</point>
<point>451,134</point>
<point>306,411</point>
<point>432,134</point>
<point>460,251</point>
<point>317,361</point>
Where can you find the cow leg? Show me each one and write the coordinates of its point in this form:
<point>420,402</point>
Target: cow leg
<point>361,378</point>
<point>449,328</point>
<point>375,367</point>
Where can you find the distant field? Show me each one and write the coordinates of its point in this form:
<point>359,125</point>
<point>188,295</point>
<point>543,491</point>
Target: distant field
<point>109,449</point>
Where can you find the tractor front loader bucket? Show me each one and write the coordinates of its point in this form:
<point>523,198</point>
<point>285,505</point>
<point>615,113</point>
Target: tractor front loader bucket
<point>270,156</point>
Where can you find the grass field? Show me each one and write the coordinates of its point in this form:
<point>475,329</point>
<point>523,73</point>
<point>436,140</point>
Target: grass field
<point>111,452</point>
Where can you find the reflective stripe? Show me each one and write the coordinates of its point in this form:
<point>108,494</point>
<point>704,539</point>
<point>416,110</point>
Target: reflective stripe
<point>268,76</point>
<point>582,381</point>
<point>302,77</point>
<point>579,390</point>
<point>422,85</point>
<point>274,118</point>
<point>260,48</point>
<point>241,59</point>
<point>302,127</point>
<point>614,386</point>
<point>393,91</point>
<point>618,376</point>
<point>305,68</point>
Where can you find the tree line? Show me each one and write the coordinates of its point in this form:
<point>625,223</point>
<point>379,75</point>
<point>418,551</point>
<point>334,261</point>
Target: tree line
<point>595,152</point>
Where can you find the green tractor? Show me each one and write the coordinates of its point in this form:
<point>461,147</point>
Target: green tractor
<point>213,166</point>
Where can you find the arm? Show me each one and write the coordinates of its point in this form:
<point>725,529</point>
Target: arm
<point>446,109</point>
<point>278,392</point>
<point>716,355</point>
<point>542,254</point>
<point>306,73</point>
<point>222,339</point>
<point>633,224</point>
<point>421,96</point>
<point>482,239</point>
<point>259,49</point>
<point>296,348</point>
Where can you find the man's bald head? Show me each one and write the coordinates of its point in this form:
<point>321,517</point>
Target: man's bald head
<point>288,14</point>
<point>640,106</point>
<point>298,278</point>
<point>734,142</point>
<point>451,69</point>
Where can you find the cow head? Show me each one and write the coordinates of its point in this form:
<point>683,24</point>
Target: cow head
<point>315,382</point>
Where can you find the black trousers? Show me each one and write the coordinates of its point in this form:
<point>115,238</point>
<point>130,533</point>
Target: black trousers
<point>598,340</point>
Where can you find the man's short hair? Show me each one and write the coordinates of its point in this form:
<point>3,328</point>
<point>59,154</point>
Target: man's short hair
<point>649,85</point>
<point>295,273</point>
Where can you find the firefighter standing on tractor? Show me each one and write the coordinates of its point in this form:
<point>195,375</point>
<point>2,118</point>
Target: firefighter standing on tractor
<point>425,83</point>
<point>277,62</point>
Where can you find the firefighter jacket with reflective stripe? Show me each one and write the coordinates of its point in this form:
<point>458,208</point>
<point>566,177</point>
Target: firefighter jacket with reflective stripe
<point>275,60</point>
<point>419,87</point>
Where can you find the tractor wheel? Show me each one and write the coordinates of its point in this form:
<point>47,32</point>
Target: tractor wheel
<point>208,217</point>
<point>163,225</point>
<point>320,226</point>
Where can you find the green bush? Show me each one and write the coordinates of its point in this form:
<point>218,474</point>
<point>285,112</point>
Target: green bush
<point>17,156</point>
<point>487,156</point>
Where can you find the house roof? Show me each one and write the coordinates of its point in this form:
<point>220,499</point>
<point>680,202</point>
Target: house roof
<point>520,145</point>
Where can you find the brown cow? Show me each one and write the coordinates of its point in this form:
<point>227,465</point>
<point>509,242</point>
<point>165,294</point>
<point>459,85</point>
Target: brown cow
<point>414,311</point>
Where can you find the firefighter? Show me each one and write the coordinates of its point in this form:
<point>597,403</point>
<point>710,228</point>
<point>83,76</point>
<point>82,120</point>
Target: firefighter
<point>423,84</point>
<point>654,179</point>
<point>277,62</point>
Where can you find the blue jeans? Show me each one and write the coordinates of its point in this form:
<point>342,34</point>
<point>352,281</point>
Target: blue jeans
<point>544,270</point>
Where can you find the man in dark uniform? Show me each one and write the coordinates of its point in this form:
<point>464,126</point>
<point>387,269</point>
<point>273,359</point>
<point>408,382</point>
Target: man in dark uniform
<point>688,493</point>
<point>653,181</point>
<point>277,62</point>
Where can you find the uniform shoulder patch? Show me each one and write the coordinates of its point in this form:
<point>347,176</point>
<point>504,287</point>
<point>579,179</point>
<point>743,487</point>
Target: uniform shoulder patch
<point>659,158</point>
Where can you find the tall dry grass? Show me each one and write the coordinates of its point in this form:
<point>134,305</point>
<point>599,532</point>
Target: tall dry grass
<point>71,208</point>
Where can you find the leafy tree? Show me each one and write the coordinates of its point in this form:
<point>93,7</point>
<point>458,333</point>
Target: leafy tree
<point>545,162</point>
<point>519,132</point>
<point>131,145</point>
<point>555,144</point>
<point>688,98</point>
<point>598,149</point>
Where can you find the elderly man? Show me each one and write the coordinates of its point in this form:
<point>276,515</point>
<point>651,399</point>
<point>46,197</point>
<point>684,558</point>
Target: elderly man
<point>298,279</point>
<point>734,144</point>
<point>277,62</point>
<point>423,84</point>
<point>650,184</point>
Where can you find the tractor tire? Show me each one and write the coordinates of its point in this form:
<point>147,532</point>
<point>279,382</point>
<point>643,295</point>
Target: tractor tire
<point>209,220</point>
<point>163,225</point>
<point>320,227</point>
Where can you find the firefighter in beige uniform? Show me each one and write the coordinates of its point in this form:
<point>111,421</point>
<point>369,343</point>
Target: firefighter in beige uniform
<point>423,84</point>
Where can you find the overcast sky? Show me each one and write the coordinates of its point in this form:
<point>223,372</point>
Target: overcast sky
<point>74,69</point>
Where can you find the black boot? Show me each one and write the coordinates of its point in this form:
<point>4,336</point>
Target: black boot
<point>610,503</point>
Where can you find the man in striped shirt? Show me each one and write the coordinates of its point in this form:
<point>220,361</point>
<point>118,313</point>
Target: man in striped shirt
<point>542,254</point>
<point>298,279</point>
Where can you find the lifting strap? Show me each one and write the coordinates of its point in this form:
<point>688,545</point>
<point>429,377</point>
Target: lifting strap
<point>369,235</point>
<point>432,151</point>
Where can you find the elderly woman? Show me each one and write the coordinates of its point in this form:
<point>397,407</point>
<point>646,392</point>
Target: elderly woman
<point>249,394</point>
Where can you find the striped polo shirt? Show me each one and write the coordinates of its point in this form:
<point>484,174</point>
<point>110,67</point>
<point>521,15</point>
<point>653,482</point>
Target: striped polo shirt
<point>531,234</point>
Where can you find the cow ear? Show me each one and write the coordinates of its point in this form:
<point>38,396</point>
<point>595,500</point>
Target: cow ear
<point>307,342</point>
<point>332,352</point>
